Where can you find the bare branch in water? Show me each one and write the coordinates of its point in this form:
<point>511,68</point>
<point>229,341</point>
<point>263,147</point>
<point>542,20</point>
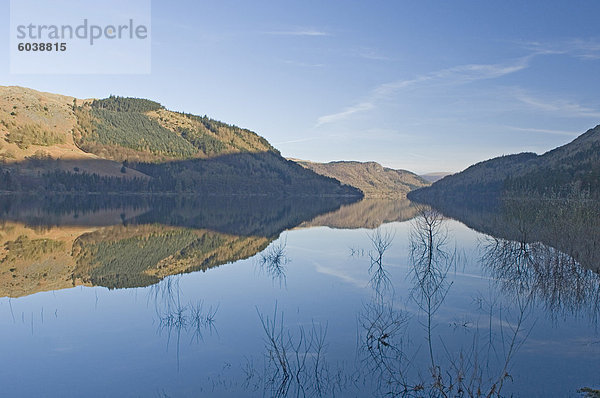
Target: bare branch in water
<point>380,280</point>
<point>295,361</point>
<point>273,261</point>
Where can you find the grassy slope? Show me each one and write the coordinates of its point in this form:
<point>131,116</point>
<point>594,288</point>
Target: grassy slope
<point>33,123</point>
<point>371,178</point>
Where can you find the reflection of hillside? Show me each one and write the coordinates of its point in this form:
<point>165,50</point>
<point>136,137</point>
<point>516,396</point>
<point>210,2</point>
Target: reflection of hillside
<point>129,241</point>
<point>131,256</point>
<point>248,216</point>
<point>237,215</point>
<point>569,225</point>
<point>368,213</point>
<point>552,277</point>
<point>115,257</point>
<point>36,260</point>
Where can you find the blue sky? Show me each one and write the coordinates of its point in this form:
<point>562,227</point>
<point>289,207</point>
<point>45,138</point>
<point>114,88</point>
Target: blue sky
<point>421,85</point>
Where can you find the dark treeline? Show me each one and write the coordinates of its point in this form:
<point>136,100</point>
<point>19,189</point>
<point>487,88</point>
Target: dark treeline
<point>244,173</point>
<point>122,104</point>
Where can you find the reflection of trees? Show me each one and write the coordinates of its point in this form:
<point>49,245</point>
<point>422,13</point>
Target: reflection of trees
<point>430,262</point>
<point>480,369</point>
<point>383,348</point>
<point>508,261</point>
<point>176,319</point>
<point>555,279</point>
<point>295,362</point>
<point>379,275</point>
<point>273,261</point>
<point>230,214</point>
<point>382,323</point>
<point>548,248</point>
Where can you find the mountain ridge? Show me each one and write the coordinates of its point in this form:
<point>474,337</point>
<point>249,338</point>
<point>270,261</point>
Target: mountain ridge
<point>373,179</point>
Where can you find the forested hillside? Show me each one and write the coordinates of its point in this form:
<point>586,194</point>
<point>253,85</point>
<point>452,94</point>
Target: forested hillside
<point>572,169</point>
<point>133,129</point>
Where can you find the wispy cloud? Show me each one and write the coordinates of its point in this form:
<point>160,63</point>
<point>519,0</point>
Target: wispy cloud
<point>336,117</point>
<point>453,76</point>
<point>580,48</point>
<point>322,269</point>
<point>302,64</point>
<point>299,32</point>
<point>544,131</point>
<point>296,141</point>
<point>556,106</point>
<point>456,75</point>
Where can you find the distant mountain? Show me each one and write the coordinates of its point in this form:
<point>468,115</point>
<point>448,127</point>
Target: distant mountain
<point>55,143</point>
<point>570,169</point>
<point>433,177</point>
<point>374,180</point>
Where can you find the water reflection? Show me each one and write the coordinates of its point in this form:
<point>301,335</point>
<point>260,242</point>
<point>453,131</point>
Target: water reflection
<point>295,362</point>
<point>264,216</point>
<point>430,262</point>
<point>273,262</point>
<point>367,213</point>
<point>176,318</point>
<point>548,248</point>
<point>542,252</point>
<point>477,369</point>
<point>407,317</point>
<point>567,224</point>
<point>556,280</point>
<point>380,280</point>
<point>133,241</point>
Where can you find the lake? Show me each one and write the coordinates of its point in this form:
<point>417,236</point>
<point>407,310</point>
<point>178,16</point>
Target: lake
<point>230,297</point>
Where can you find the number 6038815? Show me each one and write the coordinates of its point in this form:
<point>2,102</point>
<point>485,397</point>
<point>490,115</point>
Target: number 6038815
<point>42,47</point>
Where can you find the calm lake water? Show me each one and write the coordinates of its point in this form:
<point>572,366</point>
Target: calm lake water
<point>378,298</point>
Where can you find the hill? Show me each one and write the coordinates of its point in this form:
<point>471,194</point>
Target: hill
<point>573,168</point>
<point>374,180</point>
<point>55,143</point>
